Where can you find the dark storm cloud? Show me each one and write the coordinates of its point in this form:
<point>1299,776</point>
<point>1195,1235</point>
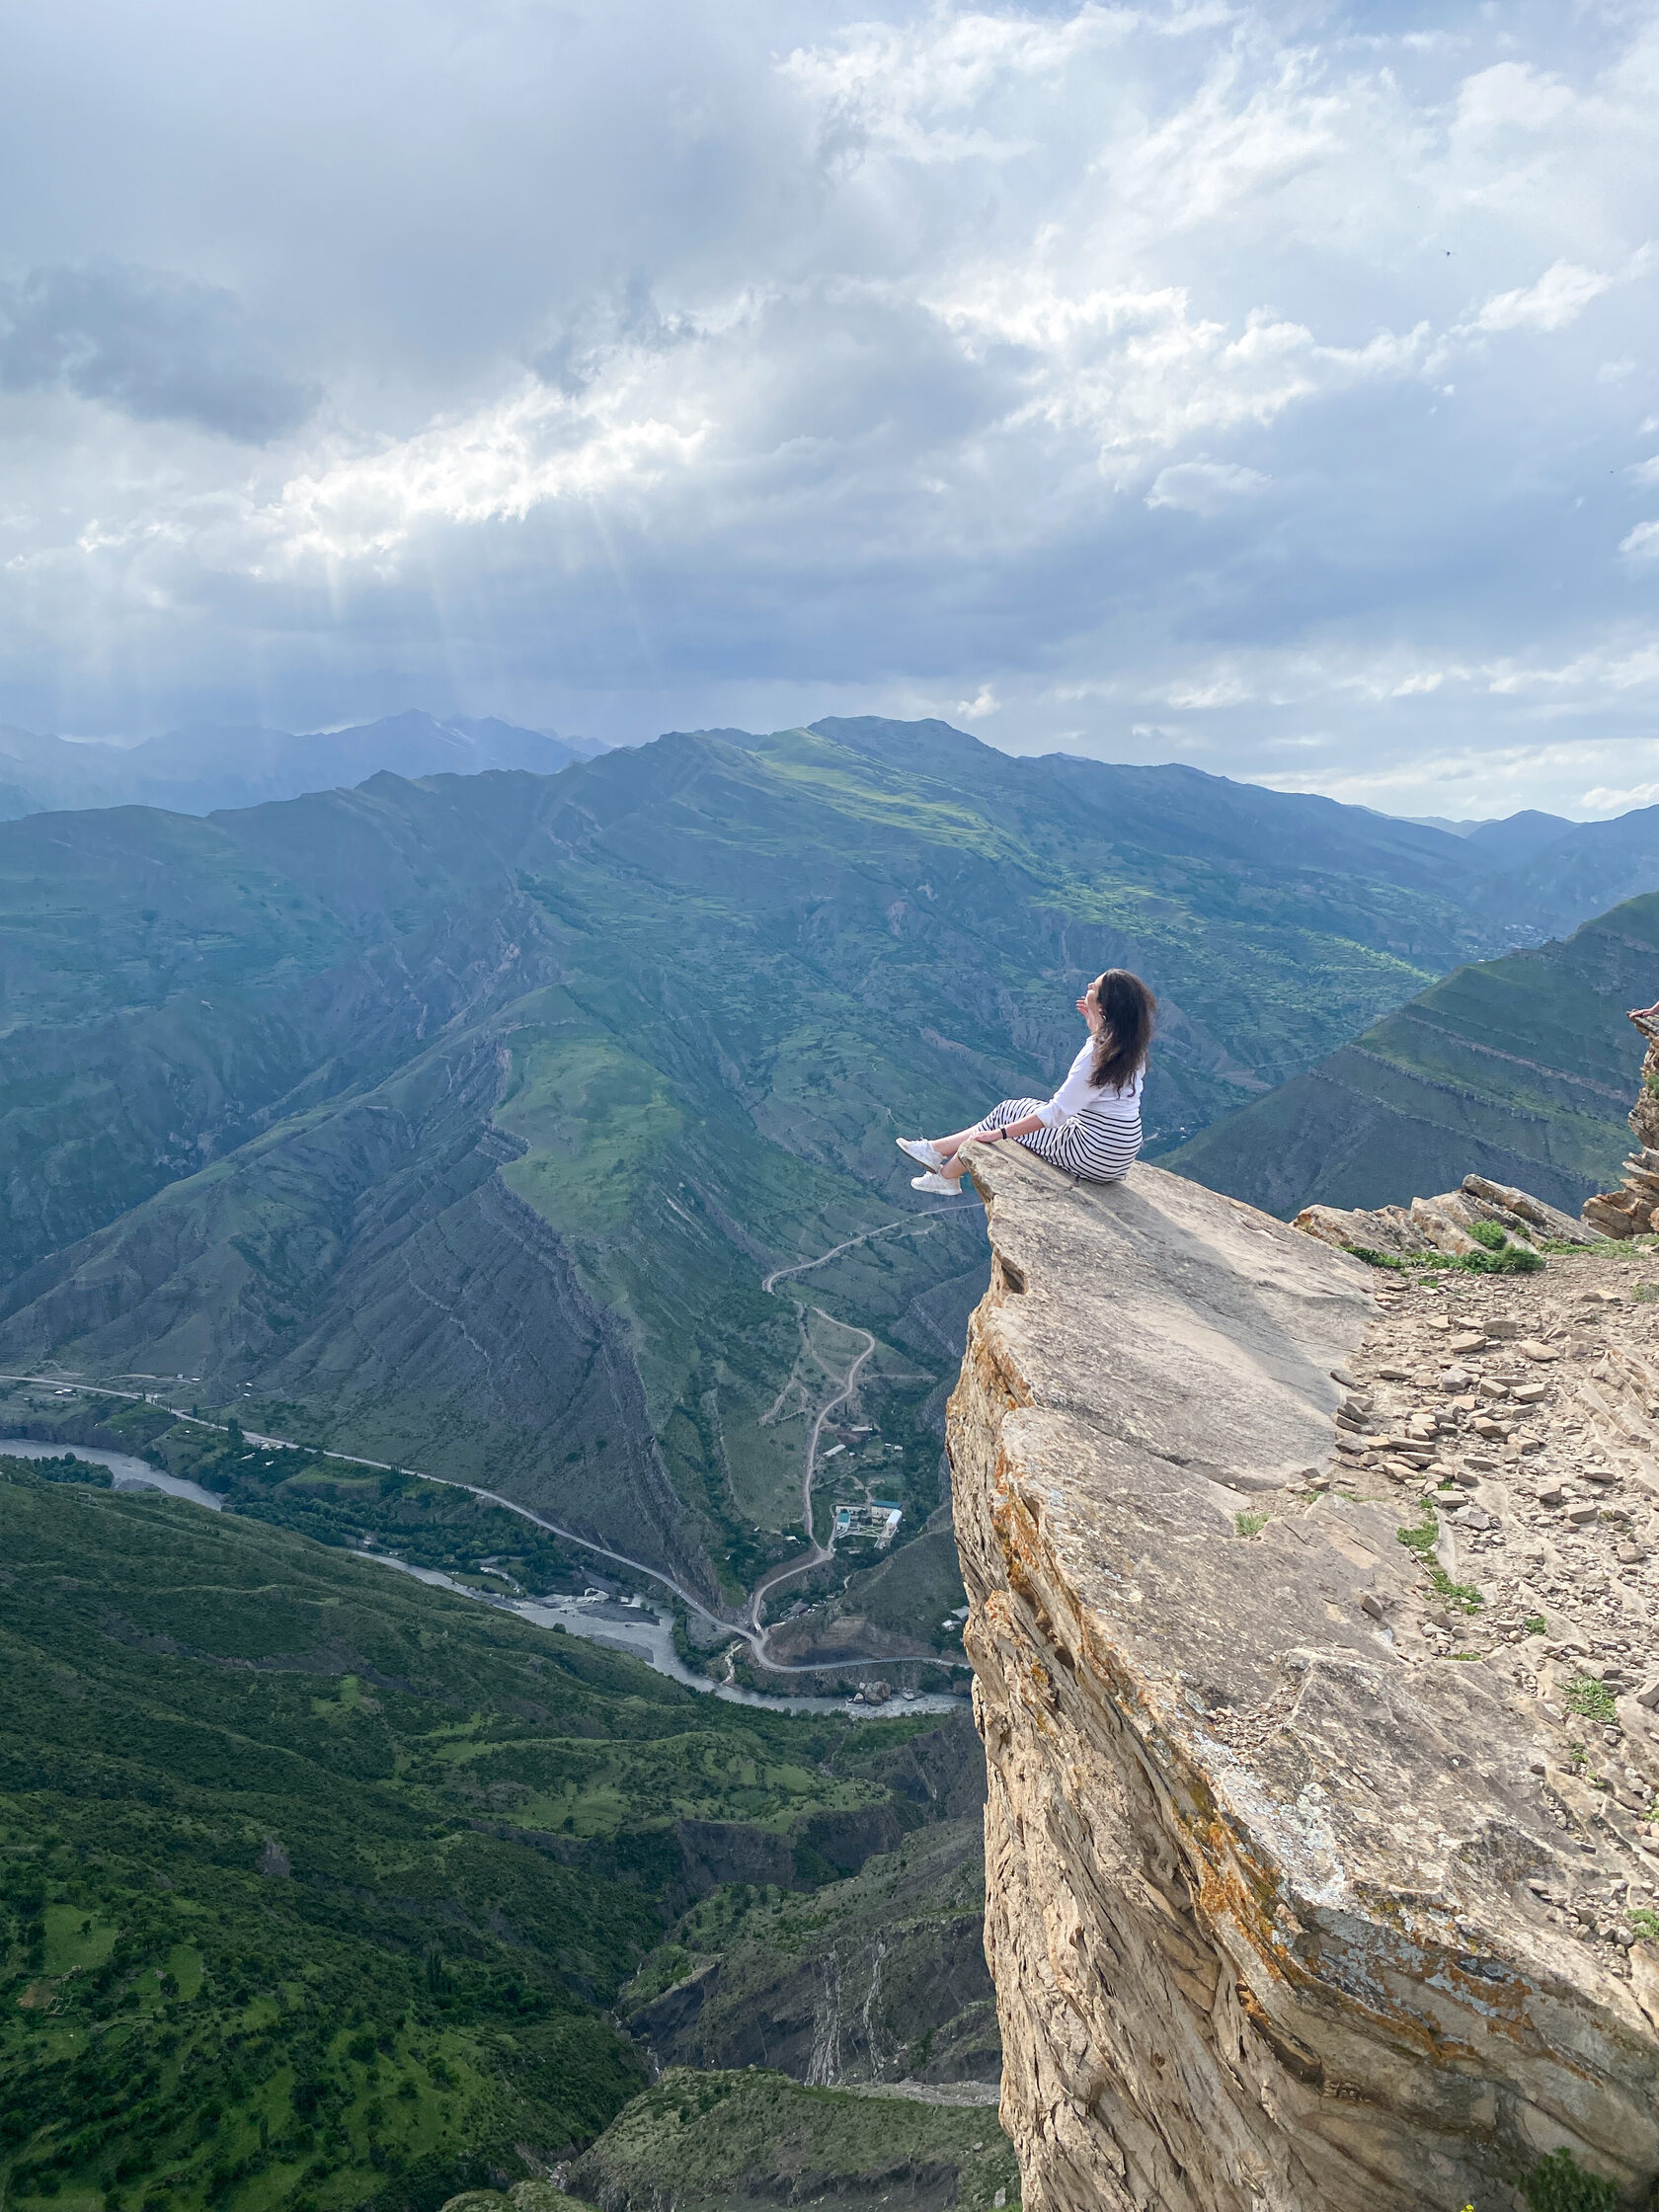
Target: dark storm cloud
<point>160,348</point>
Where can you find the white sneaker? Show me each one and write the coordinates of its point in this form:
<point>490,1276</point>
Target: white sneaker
<point>951,1188</point>
<point>921,1151</point>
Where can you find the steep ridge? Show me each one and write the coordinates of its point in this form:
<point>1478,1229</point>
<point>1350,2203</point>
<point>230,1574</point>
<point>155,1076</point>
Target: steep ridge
<point>1594,864</point>
<point>1517,1070</point>
<point>1276,1874</point>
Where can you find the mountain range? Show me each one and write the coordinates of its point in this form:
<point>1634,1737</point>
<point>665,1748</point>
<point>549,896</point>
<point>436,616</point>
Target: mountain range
<point>206,764</point>
<point>461,1121</point>
<point>534,1127</point>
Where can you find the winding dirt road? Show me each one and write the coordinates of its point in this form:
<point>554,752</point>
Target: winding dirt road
<point>749,1628</point>
<point>818,1554</point>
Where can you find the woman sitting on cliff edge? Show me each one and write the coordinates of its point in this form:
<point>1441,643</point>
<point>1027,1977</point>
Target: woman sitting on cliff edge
<point>1091,1125</point>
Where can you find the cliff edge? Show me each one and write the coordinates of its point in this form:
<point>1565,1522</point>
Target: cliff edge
<point>1278,1884</point>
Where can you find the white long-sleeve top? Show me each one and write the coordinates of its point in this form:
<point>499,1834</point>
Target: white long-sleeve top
<point>1077,1095</point>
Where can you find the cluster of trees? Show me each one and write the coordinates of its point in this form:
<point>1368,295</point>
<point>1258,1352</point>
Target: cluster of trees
<point>285,1922</point>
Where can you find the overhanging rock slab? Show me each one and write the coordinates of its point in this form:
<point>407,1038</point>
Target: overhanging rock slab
<point>1257,1870</point>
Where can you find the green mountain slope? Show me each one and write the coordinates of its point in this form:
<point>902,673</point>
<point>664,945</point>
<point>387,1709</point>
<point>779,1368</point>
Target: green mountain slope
<point>320,1885</point>
<point>1521,1068</point>
<point>727,2142</point>
<point>458,1123</point>
<point>879,1977</point>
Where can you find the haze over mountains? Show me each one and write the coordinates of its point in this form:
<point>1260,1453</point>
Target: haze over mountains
<point>206,764</point>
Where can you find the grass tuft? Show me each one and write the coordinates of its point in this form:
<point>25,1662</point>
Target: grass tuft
<point>1422,1539</point>
<point>1559,2184</point>
<point>1503,1259</point>
<point>1593,1699</point>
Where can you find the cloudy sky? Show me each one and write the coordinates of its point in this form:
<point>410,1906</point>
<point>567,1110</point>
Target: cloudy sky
<point>1271,387</point>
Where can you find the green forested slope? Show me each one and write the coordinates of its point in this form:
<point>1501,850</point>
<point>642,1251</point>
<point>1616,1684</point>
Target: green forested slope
<point>1522,1068</point>
<point>456,1123</point>
<point>320,1885</point>
<point>725,2141</point>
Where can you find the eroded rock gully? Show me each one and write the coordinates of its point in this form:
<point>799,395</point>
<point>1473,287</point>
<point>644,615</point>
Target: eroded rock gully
<point>1308,1889</point>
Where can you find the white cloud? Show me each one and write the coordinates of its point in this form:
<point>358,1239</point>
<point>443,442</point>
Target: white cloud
<point>1509,98</point>
<point>1127,376</point>
<point>1559,297</point>
<point>1205,486</point>
<point>984,703</point>
<point>517,455</point>
<point>920,90</point>
<point>1602,799</point>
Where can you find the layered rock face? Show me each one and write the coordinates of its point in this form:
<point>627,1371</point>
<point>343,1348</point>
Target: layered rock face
<point>1279,1884</point>
<point>1632,1211</point>
<point>1447,1224</point>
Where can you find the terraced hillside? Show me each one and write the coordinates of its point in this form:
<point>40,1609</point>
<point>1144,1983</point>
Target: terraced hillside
<point>459,1122</point>
<point>321,1886</point>
<point>1520,1069</point>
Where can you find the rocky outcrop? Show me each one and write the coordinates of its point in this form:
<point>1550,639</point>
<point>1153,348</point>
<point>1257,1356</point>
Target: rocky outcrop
<point>1443,1226</point>
<point>1271,1869</point>
<point>881,1978</point>
<point>1631,1212</point>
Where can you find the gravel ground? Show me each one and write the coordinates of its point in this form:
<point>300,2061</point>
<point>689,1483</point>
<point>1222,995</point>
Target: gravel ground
<point>1516,1420</point>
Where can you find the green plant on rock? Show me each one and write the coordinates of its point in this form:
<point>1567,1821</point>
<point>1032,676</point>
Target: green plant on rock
<point>1251,1524</point>
<point>1422,1539</point>
<point>1499,1256</point>
<point>1606,1248</point>
<point>1502,1258</point>
<point>1559,2184</point>
<point>1374,1258</point>
<point>1536,1625</point>
<point>1593,1699</point>
<point>1645,1924</point>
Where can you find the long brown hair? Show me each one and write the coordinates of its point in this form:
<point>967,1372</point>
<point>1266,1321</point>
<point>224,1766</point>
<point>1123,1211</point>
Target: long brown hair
<point>1127,1008</point>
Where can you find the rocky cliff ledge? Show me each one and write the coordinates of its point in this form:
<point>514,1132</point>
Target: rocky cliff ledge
<point>1281,1882</point>
<point>1631,1210</point>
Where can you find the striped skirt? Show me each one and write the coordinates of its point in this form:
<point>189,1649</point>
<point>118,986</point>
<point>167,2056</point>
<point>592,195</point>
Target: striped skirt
<point>1097,1148</point>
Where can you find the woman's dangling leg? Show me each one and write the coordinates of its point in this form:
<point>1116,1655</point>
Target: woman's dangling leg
<point>1007,1110</point>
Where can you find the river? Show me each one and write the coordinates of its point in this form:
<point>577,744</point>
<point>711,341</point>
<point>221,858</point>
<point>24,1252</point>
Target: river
<point>130,1473</point>
<point>644,1634</point>
<point>637,1630</point>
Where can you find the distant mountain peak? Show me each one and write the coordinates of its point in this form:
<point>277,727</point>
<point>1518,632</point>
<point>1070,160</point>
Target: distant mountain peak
<point>201,767</point>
